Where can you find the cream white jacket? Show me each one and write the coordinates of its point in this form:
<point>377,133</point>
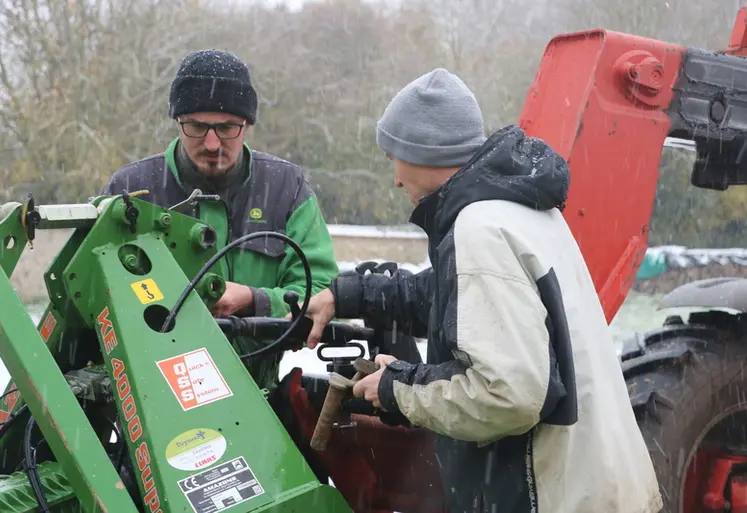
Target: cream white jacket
<point>522,384</point>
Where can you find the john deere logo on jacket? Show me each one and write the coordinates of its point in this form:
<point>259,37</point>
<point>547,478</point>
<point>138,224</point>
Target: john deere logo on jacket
<point>255,215</point>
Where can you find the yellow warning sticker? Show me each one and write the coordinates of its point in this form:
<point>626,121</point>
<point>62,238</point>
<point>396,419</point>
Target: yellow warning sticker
<point>147,291</point>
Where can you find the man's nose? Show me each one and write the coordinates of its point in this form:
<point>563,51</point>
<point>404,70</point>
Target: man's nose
<point>212,141</point>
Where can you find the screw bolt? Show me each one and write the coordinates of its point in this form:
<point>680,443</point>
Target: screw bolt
<point>164,220</point>
<point>130,262</point>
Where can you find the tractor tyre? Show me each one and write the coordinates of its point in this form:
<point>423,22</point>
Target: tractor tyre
<point>687,386</point>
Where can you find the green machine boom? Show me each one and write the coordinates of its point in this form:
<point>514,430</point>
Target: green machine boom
<point>128,395</point>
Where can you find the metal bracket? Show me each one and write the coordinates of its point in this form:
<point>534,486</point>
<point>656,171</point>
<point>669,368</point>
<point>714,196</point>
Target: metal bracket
<point>131,213</point>
<point>30,220</point>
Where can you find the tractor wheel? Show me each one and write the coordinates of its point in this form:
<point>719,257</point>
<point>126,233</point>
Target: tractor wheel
<point>688,385</point>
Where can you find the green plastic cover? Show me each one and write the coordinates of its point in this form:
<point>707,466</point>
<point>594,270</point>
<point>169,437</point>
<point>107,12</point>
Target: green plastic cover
<point>17,496</point>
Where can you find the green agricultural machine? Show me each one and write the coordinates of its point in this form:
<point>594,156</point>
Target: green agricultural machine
<point>141,402</point>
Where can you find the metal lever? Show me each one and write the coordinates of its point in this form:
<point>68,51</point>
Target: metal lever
<point>339,388</point>
<point>193,198</point>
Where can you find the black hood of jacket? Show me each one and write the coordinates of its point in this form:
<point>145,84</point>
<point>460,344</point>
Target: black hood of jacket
<point>510,166</point>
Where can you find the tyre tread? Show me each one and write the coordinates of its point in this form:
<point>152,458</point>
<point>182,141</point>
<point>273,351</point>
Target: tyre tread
<point>675,397</point>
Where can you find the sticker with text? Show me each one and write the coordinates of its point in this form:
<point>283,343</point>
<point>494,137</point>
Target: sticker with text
<point>195,449</point>
<point>194,379</point>
<point>222,487</point>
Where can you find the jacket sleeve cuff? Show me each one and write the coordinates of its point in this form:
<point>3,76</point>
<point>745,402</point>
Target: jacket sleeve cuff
<point>347,289</point>
<point>261,300</point>
<point>401,372</point>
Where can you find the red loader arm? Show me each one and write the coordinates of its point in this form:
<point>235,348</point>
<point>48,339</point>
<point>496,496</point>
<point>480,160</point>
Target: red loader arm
<point>738,41</point>
<point>606,102</point>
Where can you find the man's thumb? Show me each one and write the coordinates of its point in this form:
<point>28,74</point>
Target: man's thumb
<point>358,390</point>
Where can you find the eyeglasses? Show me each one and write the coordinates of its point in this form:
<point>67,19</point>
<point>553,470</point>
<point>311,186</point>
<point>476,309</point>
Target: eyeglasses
<point>198,130</point>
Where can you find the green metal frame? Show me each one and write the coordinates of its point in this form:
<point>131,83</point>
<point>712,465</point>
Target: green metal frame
<point>110,289</point>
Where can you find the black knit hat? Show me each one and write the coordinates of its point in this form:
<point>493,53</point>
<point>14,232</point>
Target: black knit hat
<point>213,81</point>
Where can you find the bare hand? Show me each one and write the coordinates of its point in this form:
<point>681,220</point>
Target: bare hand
<point>321,310</point>
<point>368,387</point>
<point>235,299</point>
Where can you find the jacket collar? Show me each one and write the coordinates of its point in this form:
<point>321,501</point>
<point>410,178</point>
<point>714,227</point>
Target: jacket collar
<point>510,166</point>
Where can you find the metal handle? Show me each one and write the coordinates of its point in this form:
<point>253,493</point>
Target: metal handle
<point>339,388</point>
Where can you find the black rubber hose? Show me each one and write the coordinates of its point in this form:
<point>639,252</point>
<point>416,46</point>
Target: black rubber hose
<point>205,268</point>
<point>31,471</point>
<point>13,416</point>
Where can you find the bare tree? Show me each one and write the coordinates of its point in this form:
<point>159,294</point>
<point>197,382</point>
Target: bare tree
<point>84,84</point>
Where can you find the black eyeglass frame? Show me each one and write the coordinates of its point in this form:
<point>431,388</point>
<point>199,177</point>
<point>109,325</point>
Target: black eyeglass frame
<point>211,126</point>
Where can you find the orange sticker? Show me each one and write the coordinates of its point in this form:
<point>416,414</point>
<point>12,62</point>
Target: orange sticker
<point>48,327</point>
<point>194,379</point>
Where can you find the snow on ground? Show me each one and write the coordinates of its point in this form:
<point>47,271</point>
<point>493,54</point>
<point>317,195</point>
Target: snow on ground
<point>389,232</point>
<point>682,257</point>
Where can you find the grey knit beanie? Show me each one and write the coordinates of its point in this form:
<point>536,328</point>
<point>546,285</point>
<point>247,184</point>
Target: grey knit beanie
<point>433,121</point>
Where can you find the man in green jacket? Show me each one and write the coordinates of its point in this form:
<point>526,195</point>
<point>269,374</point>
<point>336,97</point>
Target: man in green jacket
<point>213,102</point>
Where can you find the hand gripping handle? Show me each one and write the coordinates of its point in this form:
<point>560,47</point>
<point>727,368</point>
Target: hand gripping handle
<point>339,388</point>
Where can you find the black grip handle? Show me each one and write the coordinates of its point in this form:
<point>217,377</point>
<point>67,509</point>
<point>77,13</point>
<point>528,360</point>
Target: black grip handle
<point>341,333</point>
<point>267,328</point>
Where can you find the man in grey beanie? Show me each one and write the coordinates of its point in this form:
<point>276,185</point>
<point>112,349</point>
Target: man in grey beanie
<point>434,121</point>
<point>522,386</point>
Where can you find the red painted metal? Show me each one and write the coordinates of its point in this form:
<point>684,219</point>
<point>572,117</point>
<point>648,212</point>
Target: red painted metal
<point>599,98</point>
<point>696,482</point>
<point>377,468</point>
<point>706,483</point>
<point>714,499</point>
<point>739,494</point>
<point>712,481</point>
<point>738,40</point>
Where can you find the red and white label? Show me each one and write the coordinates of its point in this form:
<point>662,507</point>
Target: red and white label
<point>194,379</point>
<point>48,327</point>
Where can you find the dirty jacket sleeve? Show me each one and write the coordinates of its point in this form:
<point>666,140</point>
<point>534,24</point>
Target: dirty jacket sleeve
<point>306,226</point>
<point>501,381</point>
<point>404,298</point>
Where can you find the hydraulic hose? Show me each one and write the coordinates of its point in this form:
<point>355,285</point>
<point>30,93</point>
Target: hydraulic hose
<point>31,471</point>
<point>168,323</point>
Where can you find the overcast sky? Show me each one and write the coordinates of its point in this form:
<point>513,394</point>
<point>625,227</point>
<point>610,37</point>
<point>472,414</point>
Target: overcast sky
<point>294,4</point>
